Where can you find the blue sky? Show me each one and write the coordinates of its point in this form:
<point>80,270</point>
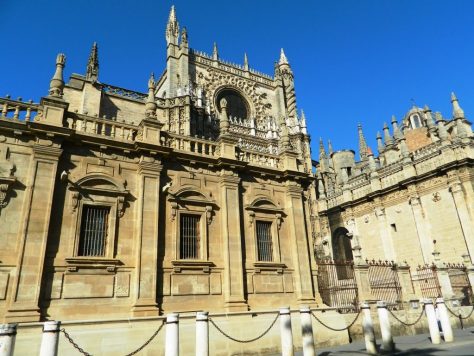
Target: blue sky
<point>353,60</point>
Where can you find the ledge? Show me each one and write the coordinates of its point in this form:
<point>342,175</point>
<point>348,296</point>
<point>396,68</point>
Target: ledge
<point>192,264</point>
<point>269,266</point>
<point>90,262</point>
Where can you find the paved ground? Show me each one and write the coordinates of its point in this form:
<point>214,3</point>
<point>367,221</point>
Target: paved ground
<point>463,345</point>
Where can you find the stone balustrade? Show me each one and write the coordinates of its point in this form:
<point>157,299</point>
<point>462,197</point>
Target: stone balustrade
<point>17,109</point>
<point>102,127</point>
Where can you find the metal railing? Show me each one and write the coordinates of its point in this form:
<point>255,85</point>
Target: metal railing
<point>337,285</point>
<point>384,282</point>
<point>425,279</point>
<point>460,283</point>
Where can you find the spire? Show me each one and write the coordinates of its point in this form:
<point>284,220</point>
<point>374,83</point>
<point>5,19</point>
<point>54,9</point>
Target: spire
<point>246,62</point>
<point>428,118</point>
<point>150,106</point>
<point>92,71</point>
<point>330,150</point>
<point>215,53</point>
<point>172,27</point>
<point>379,142</point>
<point>362,144</point>
<point>285,139</point>
<point>56,85</point>
<point>370,155</point>
<point>457,111</point>
<point>303,123</point>
<point>283,59</point>
<point>386,135</point>
<point>322,150</point>
<point>396,130</point>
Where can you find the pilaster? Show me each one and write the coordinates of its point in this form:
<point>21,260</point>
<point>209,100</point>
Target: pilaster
<point>361,274</point>
<point>465,220</point>
<point>234,297</point>
<point>147,216</point>
<point>422,228</point>
<point>299,239</point>
<point>385,235</point>
<point>33,234</point>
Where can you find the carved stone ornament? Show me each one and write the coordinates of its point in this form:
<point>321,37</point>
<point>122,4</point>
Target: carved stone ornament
<point>6,183</point>
<point>208,214</point>
<point>436,197</point>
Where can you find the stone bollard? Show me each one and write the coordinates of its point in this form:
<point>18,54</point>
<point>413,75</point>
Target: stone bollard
<point>202,334</point>
<point>368,327</point>
<point>432,321</point>
<point>49,341</point>
<point>285,332</point>
<point>172,335</point>
<point>385,329</point>
<point>7,339</point>
<point>444,320</point>
<point>307,331</point>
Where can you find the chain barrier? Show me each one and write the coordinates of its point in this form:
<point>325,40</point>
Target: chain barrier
<point>459,315</point>
<point>334,329</point>
<point>145,344</point>
<point>244,341</point>
<point>406,323</point>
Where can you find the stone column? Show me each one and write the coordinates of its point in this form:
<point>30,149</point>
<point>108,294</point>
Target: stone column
<point>465,220</point>
<point>7,339</point>
<point>147,237</point>
<point>403,271</point>
<point>361,274</point>
<point>296,229</point>
<point>234,298</point>
<point>307,331</point>
<point>49,341</point>
<point>423,229</point>
<point>385,235</point>
<point>285,332</point>
<point>385,329</point>
<point>33,234</point>
<point>172,335</point>
<point>202,334</point>
<point>444,320</point>
<point>368,328</point>
<point>432,321</point>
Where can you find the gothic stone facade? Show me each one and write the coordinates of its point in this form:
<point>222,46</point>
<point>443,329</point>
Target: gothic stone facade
<point>201,195</point>
<point>194,196</point>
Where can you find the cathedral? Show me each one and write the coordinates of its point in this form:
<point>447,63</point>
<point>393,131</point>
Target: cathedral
<point>200,193</point>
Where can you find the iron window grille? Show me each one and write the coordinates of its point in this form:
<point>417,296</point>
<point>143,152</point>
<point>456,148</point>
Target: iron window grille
<point>94,228</point>
<point>189,236</point>
<point>264,241</point>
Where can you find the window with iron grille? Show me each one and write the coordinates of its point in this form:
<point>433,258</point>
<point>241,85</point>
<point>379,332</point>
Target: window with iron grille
<point>189,236</point>
<point>264,241</point>
<point>94,226</point>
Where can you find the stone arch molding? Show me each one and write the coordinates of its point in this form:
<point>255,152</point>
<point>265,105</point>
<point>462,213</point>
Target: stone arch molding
<point>215,80</point>
<point>265,204</point>
<point>190,195</point>
<point>102,185</point>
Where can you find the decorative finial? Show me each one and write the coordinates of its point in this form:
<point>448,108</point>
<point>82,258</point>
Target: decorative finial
<point>92,72</point>
<point>362,144</point>
<point>303,123</point>
<point>215,53</point>
<point>224,120</point>
<point>56,85</point>
<point>246,62</point>
<point>184,37</point>
<point>396,130</point>
<point>458,113</point>
<point>150,106</point>
<point>386,135</point>
<point>379,142</point>
<point>283,59</point>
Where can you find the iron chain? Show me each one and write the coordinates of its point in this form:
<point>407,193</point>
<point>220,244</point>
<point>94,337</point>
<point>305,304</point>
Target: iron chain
<point>459,315</point>
<point>334,329</point>
<point>405,323</point>
<point>244,341</point>
<point>76,346</point>
<point>81,350</point>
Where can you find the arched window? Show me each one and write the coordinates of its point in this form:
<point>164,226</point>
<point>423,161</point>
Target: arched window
<point>341,245</point>
<point>237,106</point>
